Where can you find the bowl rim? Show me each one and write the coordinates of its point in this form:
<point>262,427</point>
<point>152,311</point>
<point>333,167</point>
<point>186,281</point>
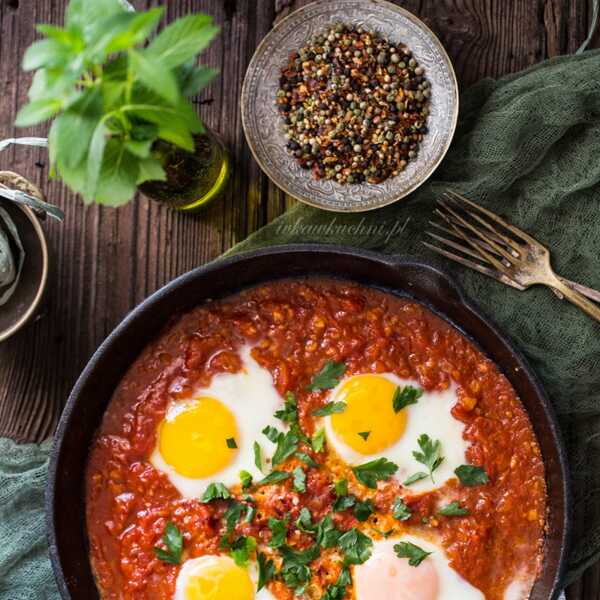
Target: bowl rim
<point>114,338</point>
<point>244,99</point>
<point>41,236</point>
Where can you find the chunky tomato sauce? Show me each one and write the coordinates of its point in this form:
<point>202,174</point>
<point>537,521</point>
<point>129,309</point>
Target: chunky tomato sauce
<point>294,327</point>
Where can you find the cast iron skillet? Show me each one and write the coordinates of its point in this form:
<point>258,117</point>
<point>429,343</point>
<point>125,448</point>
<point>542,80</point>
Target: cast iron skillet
<point>65,502</point>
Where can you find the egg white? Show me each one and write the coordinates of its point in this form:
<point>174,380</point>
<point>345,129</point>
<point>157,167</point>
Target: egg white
<point>431,415</point>
<point>190,567</point>
<point>380,565</point>
<point>252,398</point>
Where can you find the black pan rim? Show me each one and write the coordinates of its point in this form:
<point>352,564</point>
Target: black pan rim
<point>348,251</point>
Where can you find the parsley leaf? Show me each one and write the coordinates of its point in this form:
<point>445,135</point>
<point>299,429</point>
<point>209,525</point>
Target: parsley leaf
<point>272,433</point>
<point>430,455</point>
<point>414,478</point>
<point>405,396</point>
<point>289,414</point>
<point>454,509</point>
<point>363,510</point>
<point>287,444</point>
<point>364,435</point>
<point>327,533</point>
<point>299,480</point>
<point>337,591</point>
<point>341,487</point>
<point>295,571</point>
<point>274,477</point>
<point>306,459</point>
<point>278,529</point>
<point>414,554</point>
<point>216,491</point>
<point>471,475</point>
<point>328,377</point>
<point>266,571</point>
<point>241,549</point>
<point>173,540</point>
<point>343,503</point>
<point>233,514</point>
<point>304,521</point>
<point>357,546</point>
<point>258,456</point>
<point>231,443</point>
<point>318,440</point>
<point>246,479</point>
<point>330,408</point>
<point>401,511</point>
<point>376,470</point>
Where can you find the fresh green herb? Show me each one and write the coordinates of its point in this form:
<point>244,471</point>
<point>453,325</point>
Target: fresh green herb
<point>258,456</point>
<point>287,444</point>
<point>318,440</point>
<point>343,503</point>
<point>330,408</point>
<point>306,459</point>
<point>357,546</point>
<point>328,377</point>
<point>470,475</point>
<point>337,591</point>
<point>114,92</point>
<point>385,534</point>
<point>231,443</point>
<point>299,480</point>
<point>246,479</point>
<point>272,433</point>
<point>266,571</point>
<point>241,549</point>
<point>405,396</point>
<point>327,533</point>
<point>250,508</point>
<point>401,511</point>
<point>173,540</point>
<point>232,515</point>
<point>216,491</point>
<point>430,455</point>
<point>295,571</point>
<point>289,414</point>
<point>304,521</point>
<point>454,509</point>
<point>414,478</point>
<point>274,477</point>
<point>278,529</point>
<point>376,470</point>
<point>341,487</point>
<point>414,554</point>
<point>363,510</point>
<point>364,435</point>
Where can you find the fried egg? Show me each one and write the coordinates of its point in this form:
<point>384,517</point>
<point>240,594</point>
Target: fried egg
<point>369,428</point>
<point>218,577</point>
<point>384,575</point>
<point>209,437</point>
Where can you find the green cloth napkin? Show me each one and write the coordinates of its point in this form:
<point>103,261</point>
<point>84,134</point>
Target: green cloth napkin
<point>527,146</point>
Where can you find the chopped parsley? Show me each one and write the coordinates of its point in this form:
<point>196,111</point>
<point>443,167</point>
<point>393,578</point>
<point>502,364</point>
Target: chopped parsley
<point>216,491</point>
<point>405,396</point>
<point>401,511</point>
<point>278,529</point>
<point>241,549</point>
<point>470,475</point>
<point>272,433</point>
<point>454,509</point>
<point>295,571</point>
<point>287,444</point>
<point>173,540</point>
<point>376,470</point>
<point>289,414</point>
<point>414,478</point>
<point>231,443</point>
<point>299,480</point>
<point>356,546</point>
<point>258,456</point>
<point>266,570</point>
<point>363,510</point>
<point>246,479</point>
<point>414,554</point>
<point>327,533</point>
<point>341,487</point>
<point>306,459</point>
<point>274,477</point>
<point>337,591</point>
<point>304,521</point>
<point>232,515</point>
<point>430,455</point>
<point>330,408</point>
<point>343,503</point>
<point>364,435</point>
<point>318,440</point>
<point>328,377</point>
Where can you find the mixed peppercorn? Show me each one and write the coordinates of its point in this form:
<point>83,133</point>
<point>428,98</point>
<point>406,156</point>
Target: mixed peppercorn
<point>355,106</point>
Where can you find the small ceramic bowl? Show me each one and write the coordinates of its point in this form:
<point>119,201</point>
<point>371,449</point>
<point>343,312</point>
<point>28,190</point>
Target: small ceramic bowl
<point>263,124</point>
<point>28,295</point>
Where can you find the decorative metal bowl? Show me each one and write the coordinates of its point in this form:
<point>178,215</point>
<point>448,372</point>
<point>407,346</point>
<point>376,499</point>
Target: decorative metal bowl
<point>263,124</point>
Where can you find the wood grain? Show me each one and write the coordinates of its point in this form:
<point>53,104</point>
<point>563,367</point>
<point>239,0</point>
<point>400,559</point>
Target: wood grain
<point>104,261</point>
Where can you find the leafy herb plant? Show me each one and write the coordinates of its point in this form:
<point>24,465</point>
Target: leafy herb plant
<point>114,89</point>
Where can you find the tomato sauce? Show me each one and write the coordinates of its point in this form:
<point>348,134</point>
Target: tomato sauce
<point>294,326</point>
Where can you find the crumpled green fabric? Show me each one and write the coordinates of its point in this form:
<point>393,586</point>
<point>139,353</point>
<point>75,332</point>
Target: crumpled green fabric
<point>527,146</point>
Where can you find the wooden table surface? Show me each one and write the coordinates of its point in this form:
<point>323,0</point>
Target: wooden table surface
<point>105,261</point>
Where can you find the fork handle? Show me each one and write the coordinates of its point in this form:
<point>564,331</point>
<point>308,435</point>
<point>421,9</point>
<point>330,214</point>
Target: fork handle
<point>582,289</point>
<point>576,298</point>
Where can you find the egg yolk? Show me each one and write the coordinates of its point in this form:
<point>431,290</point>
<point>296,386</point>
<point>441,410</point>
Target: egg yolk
<point>193,438</point>
<point>218,578</point>
<point>386,576</point>
<point>369,423</point>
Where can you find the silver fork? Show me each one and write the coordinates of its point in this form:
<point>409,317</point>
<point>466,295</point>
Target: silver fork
<point>501,251</point>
